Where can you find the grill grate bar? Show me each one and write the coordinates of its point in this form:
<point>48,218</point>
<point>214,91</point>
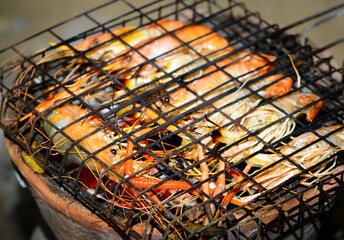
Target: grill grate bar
<point>312,17</point>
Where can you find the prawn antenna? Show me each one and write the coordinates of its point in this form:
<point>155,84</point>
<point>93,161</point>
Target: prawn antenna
<point>296,71</point>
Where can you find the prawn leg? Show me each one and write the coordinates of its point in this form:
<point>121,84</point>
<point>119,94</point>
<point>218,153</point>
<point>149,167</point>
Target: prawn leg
<point>231,194</point>
<point>145,183</point>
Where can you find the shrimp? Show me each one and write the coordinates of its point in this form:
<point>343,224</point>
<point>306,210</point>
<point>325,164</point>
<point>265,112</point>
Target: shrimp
<point>259,119</point>
<point>171,66</point>
<point>275,114</point>
<point>305,151</point>
<point>196,38</point>
<point>78,87</point>
<point>69,118</point>
<point>70,125</point>
<point>83,82</point>
<point>105,47</point>
<point>252,65</point>
<point>176,64</point>
<point>217,82</point>
<point>194,33</point>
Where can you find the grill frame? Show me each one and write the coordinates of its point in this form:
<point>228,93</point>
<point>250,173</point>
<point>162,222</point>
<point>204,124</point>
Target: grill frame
<point>92,203</point>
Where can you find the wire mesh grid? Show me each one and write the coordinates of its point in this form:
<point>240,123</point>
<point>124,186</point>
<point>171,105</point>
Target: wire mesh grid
<point>210,124</point>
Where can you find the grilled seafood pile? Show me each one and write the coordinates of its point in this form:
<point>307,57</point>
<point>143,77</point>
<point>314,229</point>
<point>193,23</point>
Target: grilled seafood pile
<point>167,116</point>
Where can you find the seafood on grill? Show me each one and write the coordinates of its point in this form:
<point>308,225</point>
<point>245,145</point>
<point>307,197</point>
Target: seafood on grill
<point>166,51</point>
<point>106,46</point>
<point>97,149</point>
<point>127,47</point>
<point>310,154</point>
<point>193,38</point>
<point>233,105</point>
<point>169,67</point>
<point>103,48</point>
<point>232,73</point>
<point>271,122</point>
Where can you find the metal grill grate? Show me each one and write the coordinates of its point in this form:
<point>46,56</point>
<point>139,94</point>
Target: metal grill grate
<point>178,126</point>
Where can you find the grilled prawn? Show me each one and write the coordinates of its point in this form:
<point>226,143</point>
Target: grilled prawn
<point>296,104</point>
<point>258,121</point>
<point>196,37</point>
<point>305,151</point>
<point>216,82</point>
<point>98,150</point>
<point>105,47</point>
<point>201,39</point>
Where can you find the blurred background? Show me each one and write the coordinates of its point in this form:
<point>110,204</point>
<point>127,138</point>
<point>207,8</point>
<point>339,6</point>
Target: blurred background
<point>19,19</point>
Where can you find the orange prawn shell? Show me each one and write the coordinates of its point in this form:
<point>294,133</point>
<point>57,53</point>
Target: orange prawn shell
<point>250,65</point>
<point>96,40</point>
<point>89,42</point>
<point>98,139</point>
<point>197,37</point>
